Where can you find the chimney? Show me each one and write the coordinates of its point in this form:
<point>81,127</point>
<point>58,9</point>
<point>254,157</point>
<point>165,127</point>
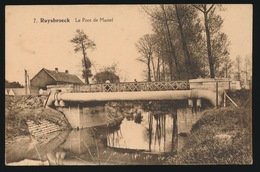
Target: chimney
<point>56,69</point>
<point>66,71</point>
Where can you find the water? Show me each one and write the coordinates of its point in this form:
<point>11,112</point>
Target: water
<point>153,133</point>
<point>142,136</point>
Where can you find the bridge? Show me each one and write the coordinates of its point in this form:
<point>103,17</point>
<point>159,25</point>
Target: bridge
<point>73,100</point>
<point>131,91</point>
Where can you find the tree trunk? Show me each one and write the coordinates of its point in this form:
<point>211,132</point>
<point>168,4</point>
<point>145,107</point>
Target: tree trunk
<point>211,62</point>
<point>184,45</point>
<point>87,80</point>
<point>163,70</point>
<point>158,69</point>
<point>149,69</point>
<point>154,75</point>
<point>172,51</point>
<point>85,63</point>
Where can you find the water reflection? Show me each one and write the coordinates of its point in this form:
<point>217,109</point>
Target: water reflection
<point>153,132</point>
<point>149,133</point>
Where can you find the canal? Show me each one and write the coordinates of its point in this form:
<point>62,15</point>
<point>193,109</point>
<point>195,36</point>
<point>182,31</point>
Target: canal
<point>145,133</point>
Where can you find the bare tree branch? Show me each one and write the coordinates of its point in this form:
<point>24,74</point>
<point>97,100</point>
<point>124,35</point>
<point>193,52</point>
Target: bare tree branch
<point>210,8</point>
<point>198,8</point>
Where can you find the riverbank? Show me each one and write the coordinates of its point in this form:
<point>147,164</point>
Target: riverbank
<point>221,136</point>
<point>20,109</point>
<point>20,144</point>
<point>31,130</point>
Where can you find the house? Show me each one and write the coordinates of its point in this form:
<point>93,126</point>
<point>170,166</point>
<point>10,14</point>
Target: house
<point>53,77</point>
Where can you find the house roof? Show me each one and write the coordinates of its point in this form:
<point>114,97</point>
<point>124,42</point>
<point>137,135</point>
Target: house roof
<point>63,77</point>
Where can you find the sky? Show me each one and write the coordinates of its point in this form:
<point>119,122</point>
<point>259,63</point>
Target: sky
<point>33,45</point>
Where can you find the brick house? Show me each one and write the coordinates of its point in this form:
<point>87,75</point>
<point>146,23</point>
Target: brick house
<point>53,77</point>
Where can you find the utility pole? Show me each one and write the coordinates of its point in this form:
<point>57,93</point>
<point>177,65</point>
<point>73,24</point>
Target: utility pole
<point>25,86</point>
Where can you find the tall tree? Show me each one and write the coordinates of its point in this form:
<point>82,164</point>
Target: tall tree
<point>238,67</point>
<point>82,43</point>
<point>179,27</point>
<point>145,47</point>
<point>220,54</point>
<point>170,43</point>
<point>179,15</point>
<point>248,68</point>
<point>205,9</point>
<point>226,67</point>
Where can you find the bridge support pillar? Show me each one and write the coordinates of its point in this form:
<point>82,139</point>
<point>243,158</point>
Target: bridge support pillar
<point>198,104</point>
<point>62,104</point>
<point>190,102</point>
<point>56,103</point>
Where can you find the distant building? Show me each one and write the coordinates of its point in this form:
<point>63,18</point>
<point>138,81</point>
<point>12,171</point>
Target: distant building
<point>14,91</point>
<point>210,84</point>
<point>53,77</point>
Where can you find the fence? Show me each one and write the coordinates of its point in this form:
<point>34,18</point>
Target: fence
<point>123,87</point>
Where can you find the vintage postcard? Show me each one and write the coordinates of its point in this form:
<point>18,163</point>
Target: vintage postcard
<point>140,84</point>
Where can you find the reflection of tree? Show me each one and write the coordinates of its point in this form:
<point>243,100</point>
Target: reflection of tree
<point>174,131</point>
<point>138,118</point>
<point>129,116</point>
<point>160,130</point>
<point>150,130</point>
<point>114,136</point>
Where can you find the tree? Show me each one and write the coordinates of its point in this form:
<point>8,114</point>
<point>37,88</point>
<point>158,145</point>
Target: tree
<point>226,68</point>
<point>220,54</point>
<point>145,47</point>
<point>172,48</point>
<point>13,84</point>
<point>217,41</point>
<point>107,73</point>
<point>205,9</point>
<point>82,43</point>
<point>248,68</point>
<point>184,52</point>
<point>179,13</point>
<point>238,68</point>
<point>181,47</point>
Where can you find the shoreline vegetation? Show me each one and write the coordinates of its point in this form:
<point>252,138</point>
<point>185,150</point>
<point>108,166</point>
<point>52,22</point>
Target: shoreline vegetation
<point>221,136</point>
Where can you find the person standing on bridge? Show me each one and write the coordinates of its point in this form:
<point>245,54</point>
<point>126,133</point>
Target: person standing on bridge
<point>107,87</point>
<point>135,85</point>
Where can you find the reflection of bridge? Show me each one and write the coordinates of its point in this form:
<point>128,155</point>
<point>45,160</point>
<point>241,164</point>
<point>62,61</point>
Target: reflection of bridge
<point>130,91</point>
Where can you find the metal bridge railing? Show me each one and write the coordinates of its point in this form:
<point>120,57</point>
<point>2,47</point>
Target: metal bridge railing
<point>134,86</point>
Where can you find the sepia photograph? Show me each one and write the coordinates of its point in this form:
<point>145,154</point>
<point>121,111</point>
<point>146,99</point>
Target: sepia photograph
<point>128,84</point>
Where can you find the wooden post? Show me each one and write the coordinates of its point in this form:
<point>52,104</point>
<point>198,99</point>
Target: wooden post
<point>25,86</point>
<point>225,98</point>
<point>28,84</point>
<point>231,100</point>
<point>216,94</point>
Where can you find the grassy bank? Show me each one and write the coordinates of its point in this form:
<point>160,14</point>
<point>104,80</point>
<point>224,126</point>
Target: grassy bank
<point>221,136</point>
<point>19,144</point>
<point>19,109</point>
